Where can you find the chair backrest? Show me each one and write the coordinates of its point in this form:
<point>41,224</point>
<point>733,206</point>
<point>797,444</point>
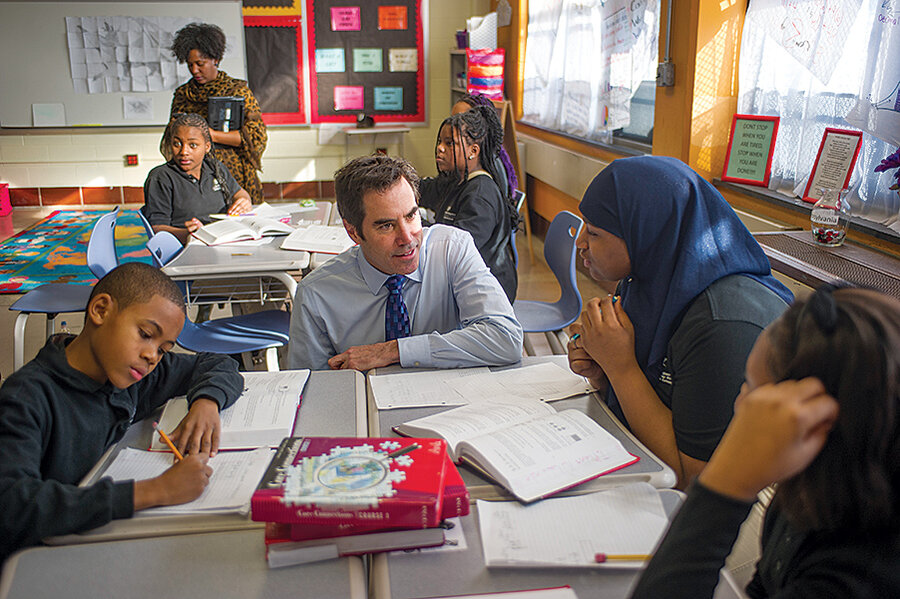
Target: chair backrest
<point>519,199</point>
<point>559,252</point>
<point>163,247</point>
<point>101,250</point>
<point>148,228</point>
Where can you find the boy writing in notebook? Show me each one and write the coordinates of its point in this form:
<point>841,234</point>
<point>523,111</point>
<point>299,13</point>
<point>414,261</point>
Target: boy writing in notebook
<point>62,410</point>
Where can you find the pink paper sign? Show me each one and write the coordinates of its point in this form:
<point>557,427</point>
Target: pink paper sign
<point>345,18</point>
<point>348,97</point>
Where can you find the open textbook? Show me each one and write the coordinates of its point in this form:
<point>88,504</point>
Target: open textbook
<point>323,239</point>
<point>235,476</point>
<point>241,228</point>
<point>527,446</point>
<point>623,523</point>
<point>263,415</point>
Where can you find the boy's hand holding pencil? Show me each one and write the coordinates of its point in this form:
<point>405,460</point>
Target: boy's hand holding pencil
<point>183,482</point>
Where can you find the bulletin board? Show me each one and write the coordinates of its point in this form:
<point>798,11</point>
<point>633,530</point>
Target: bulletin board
<point>366,56</point>
<point>274,48</point>
<point>42,75</point>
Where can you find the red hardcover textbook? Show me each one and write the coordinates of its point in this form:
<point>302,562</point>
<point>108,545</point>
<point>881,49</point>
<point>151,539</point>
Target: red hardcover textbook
<point>455,503</point>
<point>340,481</point>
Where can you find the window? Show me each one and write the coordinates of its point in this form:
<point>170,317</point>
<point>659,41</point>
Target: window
<point>804,63</point>
<point>590,67</point>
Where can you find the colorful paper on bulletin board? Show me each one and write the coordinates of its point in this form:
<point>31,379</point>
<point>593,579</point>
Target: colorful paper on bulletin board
<point>330,60</point>
<point>272,8</point>
<point>403,60</point>
<point>485,72</point>
<point>388,98</point>
<point>349,97</point>
<point>400,51</point>
<point>392,17</point>
<point>274,47</point>
<point>345,18</point>
<point>367,60</point>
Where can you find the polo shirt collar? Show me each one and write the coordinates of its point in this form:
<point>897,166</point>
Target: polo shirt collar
<point>206,169</point>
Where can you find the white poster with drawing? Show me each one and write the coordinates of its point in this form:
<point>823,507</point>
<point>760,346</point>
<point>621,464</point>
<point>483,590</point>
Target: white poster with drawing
<point>812,31</point>
<point>123,54</point>
<point>878,109</point>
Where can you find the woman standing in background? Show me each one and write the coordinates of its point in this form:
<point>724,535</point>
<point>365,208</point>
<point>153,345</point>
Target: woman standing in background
<point>201,46</point>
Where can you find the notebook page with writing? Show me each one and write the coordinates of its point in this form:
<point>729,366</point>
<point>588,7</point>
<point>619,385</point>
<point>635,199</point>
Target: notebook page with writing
<point>420,389</point>
<point>569,531</point>
<point>262,416</point>
<point>235,476</point>
<point>546,381</point>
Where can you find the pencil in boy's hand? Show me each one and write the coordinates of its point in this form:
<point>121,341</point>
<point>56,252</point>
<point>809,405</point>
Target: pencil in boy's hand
<point>601,558</point>
<point>165,437</point>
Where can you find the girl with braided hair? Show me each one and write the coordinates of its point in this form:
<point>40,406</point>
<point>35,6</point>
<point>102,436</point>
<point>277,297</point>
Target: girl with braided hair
<point>818,414</point>
<point>466,194</point>
<point>505,166</point>
<point>180,195</point>
<point>201,46</point>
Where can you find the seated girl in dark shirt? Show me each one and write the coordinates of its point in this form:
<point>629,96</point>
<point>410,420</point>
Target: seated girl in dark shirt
<point>466,193</point>
<point>832,443</point>
<point>180,195</point>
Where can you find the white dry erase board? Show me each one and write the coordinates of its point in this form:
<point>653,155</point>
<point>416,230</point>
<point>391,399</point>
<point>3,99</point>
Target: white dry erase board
<point>35,71</point>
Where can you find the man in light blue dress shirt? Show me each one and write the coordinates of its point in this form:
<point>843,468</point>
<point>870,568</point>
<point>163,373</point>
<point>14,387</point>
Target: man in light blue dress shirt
<point>459,315</point>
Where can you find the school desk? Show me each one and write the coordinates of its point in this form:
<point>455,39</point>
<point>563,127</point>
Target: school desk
<point>333,404</point>
<point>257,264</point>
<point>461,572</point>
<point>648,469</point>
<point>229,261</point>
<point>211,565</point>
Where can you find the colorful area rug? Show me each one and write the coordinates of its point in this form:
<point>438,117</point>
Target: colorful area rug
<point>54,250</point>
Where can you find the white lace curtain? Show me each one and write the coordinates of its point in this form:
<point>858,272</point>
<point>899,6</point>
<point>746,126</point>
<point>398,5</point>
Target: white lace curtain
<point>584,60</point>
<point>818,67</point>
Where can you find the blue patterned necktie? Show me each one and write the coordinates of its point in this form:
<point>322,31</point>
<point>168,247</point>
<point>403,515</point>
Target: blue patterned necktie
<point>396,318</point>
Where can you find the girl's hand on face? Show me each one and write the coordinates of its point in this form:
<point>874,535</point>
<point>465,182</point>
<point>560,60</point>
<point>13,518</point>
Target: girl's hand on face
<point>776,432</point>
<point>608,335</point>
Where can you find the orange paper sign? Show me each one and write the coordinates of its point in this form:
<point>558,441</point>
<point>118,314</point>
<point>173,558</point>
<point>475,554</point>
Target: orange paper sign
<point>392,17</point>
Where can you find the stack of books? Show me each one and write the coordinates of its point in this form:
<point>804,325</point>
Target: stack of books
<point>327,497</point>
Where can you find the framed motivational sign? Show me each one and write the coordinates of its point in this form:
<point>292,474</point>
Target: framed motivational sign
<point>834,163</point>
<point>750,148</point>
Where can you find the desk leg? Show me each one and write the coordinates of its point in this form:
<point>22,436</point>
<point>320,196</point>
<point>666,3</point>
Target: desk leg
<point>19,340</point>
<point>272,359</point>
<point>528,230</point>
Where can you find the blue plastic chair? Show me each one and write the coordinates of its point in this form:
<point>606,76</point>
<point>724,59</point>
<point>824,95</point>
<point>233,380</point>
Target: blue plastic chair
<point>559,252</point>
<point>53,299</point>
<point>266,330</point>
<point>148,228</point>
